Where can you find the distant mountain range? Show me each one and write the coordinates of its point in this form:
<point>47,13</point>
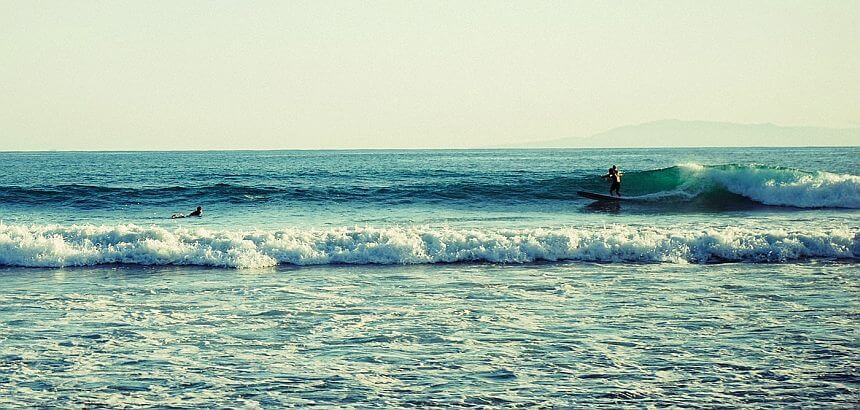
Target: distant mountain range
<point>678,133</point>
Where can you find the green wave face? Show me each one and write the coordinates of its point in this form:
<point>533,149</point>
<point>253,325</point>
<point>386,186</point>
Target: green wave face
<point>743,184</point>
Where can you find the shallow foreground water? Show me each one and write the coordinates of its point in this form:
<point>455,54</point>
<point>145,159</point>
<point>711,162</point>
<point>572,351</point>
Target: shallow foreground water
<point>563,334</point>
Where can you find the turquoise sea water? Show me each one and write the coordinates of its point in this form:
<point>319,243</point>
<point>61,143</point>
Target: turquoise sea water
<point>430,278</point>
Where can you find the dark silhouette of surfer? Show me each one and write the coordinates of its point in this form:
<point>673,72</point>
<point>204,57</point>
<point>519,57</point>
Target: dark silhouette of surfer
<point>614,175</point>
<point>198,212</point>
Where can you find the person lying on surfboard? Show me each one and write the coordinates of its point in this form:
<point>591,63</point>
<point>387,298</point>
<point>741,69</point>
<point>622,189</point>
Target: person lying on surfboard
<point>614,175</point>
<point>198,212</point>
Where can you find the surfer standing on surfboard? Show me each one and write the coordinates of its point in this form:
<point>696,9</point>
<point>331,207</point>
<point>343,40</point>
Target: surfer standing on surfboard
<point>614,175</point>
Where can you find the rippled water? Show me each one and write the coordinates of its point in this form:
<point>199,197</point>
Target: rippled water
<point>571,334</point>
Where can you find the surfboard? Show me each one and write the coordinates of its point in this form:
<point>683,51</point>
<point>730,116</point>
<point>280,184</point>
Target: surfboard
<point>599,197</point>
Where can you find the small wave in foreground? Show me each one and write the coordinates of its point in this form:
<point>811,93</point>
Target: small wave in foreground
<point>86,245</point>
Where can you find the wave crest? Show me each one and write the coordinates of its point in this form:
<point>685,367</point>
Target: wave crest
<point>85,245</point>
<point>778,186</point>
<point>692,186</point>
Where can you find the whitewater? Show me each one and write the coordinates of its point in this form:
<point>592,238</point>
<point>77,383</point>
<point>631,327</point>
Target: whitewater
<point>56,246</point>
<point>770,185</point>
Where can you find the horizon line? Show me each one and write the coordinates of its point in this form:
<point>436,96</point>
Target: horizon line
<point>417,149</point>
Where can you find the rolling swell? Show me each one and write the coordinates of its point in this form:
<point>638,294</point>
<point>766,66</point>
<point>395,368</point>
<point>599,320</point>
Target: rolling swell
<point>712,186</point>
<point>86,245</point>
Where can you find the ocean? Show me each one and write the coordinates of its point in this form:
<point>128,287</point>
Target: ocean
<point>430,278</point>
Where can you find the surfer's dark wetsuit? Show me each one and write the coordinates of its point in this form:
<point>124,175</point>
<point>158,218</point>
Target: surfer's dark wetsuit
<point>615,176</point>
<point>198,213</point>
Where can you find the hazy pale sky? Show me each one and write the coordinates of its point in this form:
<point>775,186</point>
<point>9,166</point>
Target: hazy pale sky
<point>335,74</point>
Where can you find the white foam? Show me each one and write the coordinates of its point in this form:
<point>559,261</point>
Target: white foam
<point>779,186</point>
<point>84,245</point>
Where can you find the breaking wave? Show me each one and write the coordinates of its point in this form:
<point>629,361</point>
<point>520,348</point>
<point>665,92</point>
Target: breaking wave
<point>765,185</point>
<point>86,245</point>
<point>713,187</point>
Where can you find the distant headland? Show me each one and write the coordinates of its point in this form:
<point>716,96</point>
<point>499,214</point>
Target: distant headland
<point>680,133</point>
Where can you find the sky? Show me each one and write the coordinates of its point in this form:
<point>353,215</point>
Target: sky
<point>164,75</point>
